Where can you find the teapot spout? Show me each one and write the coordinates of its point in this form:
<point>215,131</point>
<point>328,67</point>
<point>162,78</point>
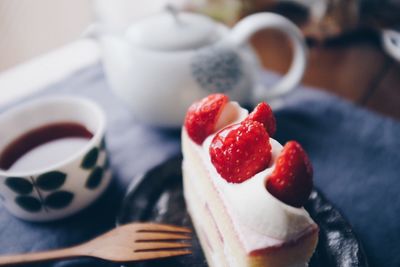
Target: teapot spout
<point>97,30</point>
<point>107,37</point>
<point>116,57</point>
<point>93,31</point>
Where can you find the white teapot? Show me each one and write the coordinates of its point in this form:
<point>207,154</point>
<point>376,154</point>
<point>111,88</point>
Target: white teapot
<point>163,63</point>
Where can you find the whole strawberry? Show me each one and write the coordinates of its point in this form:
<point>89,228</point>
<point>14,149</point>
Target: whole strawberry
<point>240,151</point>
<point>263,114</point>
<point>291,181</point>
<point>202,116</point>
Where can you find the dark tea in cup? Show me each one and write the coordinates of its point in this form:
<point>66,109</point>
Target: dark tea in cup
<point>44,146</point>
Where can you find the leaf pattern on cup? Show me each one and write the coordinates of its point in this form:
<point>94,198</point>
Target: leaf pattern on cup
<point>90,159</point>
<point>58,199</point>
<point>106,164</point>
<point>19,185</point>
<point>103,143</point>
<point>95,177</point>
<point>29,203</point>
<point>51,180</point>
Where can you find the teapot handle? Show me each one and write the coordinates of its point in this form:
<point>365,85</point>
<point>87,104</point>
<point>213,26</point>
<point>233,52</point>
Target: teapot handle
<point>391,43</point>
<point>248,26</point>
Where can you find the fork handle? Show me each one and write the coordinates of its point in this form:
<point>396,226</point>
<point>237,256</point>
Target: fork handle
<point>20,259</point>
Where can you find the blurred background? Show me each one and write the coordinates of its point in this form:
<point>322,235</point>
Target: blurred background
<point>347,54</point>
<point>31,28</point>
<point>354,53</point>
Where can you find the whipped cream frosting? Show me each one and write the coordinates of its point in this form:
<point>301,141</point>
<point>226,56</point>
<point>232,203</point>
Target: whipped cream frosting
<point>260,219</point>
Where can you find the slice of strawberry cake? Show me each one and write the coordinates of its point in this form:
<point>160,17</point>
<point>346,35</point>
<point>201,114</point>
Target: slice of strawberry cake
<point>243,190</point>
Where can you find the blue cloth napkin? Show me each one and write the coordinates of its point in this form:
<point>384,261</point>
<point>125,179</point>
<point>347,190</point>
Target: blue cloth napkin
<point>355,154</point>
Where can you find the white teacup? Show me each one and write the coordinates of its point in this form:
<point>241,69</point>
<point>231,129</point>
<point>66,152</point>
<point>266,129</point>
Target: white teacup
<point>53,159</point>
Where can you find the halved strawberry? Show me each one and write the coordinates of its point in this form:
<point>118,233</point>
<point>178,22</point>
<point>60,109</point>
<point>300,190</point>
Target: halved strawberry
<point>291,181</point>
<point>240,151</point>
<point>263,114</point>
<point>202,116</point>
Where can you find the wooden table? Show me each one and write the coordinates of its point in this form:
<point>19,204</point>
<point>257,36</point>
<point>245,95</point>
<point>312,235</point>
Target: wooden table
<point>359,72</point>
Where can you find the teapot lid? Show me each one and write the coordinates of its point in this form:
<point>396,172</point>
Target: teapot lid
<point>173,31</point>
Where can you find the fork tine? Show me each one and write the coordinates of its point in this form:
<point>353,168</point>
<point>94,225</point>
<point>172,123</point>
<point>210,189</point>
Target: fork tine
<point>147,255</point>
<point>148,236</point>
<point>159,245</point>
<point>162,228</point>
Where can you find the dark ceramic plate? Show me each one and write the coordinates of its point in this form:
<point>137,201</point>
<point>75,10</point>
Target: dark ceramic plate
<point>157,196</point>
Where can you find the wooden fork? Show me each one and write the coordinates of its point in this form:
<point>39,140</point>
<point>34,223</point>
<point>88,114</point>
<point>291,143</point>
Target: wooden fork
<point>130,242</point>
